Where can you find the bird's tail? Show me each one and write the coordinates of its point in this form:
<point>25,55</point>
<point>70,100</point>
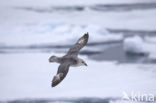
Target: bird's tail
<point>54,59</point>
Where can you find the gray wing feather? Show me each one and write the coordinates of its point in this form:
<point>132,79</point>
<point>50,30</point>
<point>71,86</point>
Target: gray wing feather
<point>73,51</point>
<point>61,73</point>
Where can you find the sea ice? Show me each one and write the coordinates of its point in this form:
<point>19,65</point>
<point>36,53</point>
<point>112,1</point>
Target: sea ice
<point>134,45</point>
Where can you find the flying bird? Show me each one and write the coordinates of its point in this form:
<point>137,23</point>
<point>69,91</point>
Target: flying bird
<point>70,59</point>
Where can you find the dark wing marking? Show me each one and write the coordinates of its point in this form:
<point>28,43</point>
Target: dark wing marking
<point>61,74</point>
<point>73,51</point>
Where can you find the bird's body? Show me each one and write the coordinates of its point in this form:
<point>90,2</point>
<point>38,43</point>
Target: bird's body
<point>74,62</point>
<point>70,59</point>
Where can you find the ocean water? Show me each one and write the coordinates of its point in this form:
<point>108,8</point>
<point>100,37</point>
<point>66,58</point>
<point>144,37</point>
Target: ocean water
<point>32,31</point>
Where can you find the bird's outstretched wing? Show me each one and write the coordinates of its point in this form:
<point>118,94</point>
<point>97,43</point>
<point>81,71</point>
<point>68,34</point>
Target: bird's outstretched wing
<point>61,74</point>
<point>73,51</point>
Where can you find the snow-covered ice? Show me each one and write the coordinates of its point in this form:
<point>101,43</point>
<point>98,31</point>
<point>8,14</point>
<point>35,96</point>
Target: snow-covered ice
<point>44,34</point>
<point>134,45</point>
<point>138,45</point>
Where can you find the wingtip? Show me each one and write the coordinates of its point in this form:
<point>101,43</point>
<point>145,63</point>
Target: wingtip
<point>53,84</point>
<point>86,34</point>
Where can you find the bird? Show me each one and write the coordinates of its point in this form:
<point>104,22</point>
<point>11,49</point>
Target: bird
<point>70,59</point>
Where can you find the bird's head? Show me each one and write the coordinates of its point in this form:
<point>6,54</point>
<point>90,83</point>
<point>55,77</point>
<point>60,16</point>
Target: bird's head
<point>83,62</point>
<point>53,59</point>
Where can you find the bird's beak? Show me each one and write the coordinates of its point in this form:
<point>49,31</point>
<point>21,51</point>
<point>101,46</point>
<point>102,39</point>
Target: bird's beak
<point>85,64</point>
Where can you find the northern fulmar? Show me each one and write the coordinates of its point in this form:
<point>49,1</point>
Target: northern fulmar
<point>70,59</point>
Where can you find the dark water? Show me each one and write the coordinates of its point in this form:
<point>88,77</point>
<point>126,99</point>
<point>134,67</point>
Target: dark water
<point>128,33</point>
<point>63,100</point>
<point>124,7</point>
<point>116,53</point>
<point>79,100</point>
<point>98,7</point>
